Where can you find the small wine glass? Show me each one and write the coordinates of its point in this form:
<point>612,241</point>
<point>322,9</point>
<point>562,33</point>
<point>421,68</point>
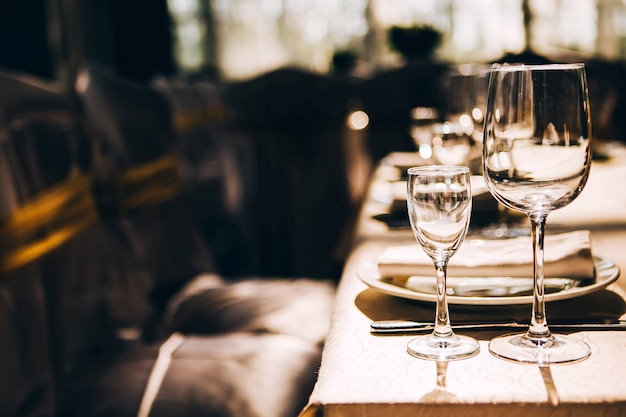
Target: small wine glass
<point>536,158</point>
<point>439,202</point>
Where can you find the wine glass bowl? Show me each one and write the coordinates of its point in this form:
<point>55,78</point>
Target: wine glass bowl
<point>538,177</point>
<point>439,203</point>
<point>536,159</point>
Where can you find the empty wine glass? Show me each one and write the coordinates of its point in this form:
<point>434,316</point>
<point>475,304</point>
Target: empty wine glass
<point>450,146</point>
<point>439,202</point>
<point>536,158</point>
<point>465,87</point>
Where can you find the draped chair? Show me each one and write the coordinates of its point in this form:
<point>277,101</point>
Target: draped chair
<point>62,298</point>
<point>26,369</point>
<point>296,122</point>
<point>141,190</point>
<point>216,167</point>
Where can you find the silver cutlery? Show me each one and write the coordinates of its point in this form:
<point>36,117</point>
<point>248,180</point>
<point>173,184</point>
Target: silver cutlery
<point>412,327</point>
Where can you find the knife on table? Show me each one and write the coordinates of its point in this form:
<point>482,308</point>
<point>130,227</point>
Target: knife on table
<point>383,327</point>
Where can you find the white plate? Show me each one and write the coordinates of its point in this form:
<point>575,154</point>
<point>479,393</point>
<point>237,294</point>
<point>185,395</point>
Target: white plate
<point>606,273</point>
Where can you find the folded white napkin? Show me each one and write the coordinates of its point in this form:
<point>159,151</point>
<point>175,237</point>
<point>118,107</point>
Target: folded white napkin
<point>566,255</point>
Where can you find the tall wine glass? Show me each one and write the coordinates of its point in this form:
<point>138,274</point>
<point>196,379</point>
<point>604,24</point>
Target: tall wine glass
<point>536,158</point>
<point>439,202</point>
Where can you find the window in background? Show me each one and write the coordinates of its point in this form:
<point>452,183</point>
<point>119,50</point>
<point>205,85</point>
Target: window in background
<point>255,36</point>
<point>388,13</point>
<point>484,31</point>
<point>564,27</point>
<point>194,39</point>
<point>476,30</point>
<point>259,35</point>
<point>611,29</point>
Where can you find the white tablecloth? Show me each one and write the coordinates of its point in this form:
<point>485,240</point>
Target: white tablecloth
<point>366,375</point>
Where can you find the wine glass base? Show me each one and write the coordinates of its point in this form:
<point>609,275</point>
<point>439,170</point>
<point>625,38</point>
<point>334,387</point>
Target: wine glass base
<point>443,348</point>
<point>558,349</point>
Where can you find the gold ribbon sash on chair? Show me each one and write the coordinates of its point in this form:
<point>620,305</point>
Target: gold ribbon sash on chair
<point>46,222</point>
<point>190,119</point>
<point>151,183</point>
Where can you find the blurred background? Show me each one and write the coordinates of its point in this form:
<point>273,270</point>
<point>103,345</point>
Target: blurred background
<point>243,38</point>
<point>281,109</point>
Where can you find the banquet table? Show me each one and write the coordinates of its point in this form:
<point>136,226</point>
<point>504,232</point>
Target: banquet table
<point>363,374</point>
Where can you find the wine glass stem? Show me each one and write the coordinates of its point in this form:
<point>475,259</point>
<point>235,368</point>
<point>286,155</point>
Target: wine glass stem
<point>442,317</point>
<point>538,328</point>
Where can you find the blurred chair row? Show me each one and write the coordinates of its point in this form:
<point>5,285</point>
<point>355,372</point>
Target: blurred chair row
<point>112,302</point>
